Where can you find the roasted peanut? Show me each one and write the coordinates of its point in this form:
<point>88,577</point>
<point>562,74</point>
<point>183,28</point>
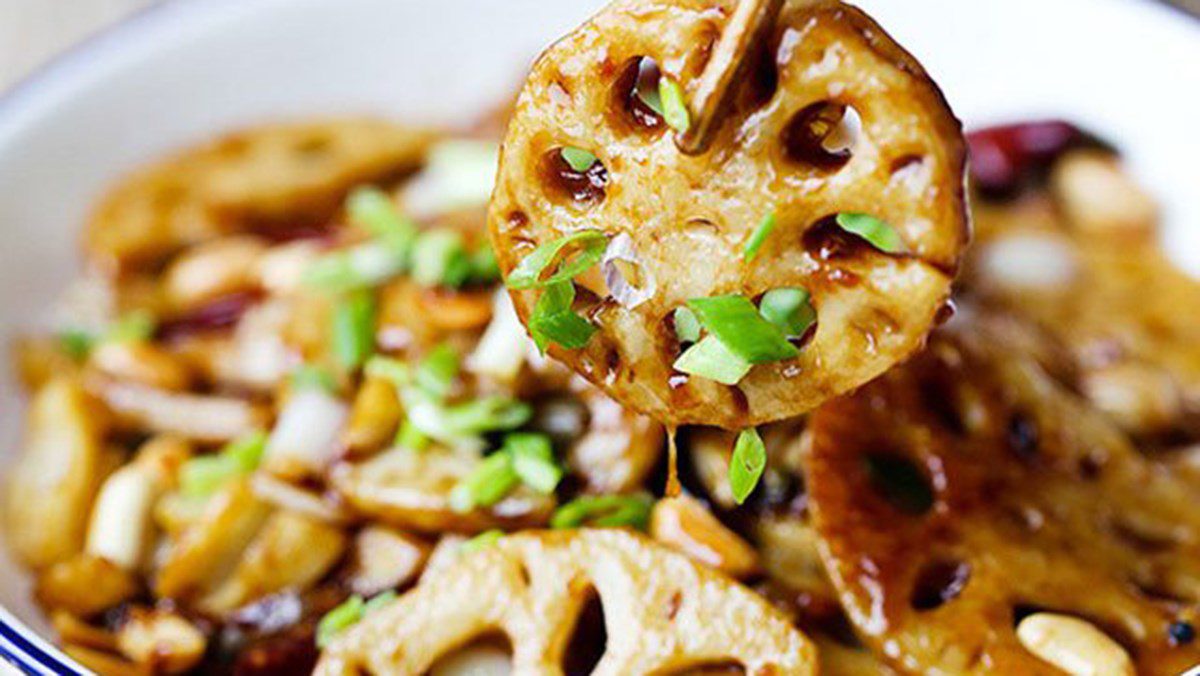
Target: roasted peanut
<point>685,525</point>
<point>1073,645</point>
<point>141,363</point>
<point>1099,198</point>
<point>162,641</point>
<point>385,558</point>
<point>213,269</point>
<point>373,418</point>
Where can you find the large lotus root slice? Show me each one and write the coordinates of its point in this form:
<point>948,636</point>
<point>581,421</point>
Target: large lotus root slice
<point>662,612</point>
<point>833,117</point>
<point>965,491</point>
<point>276,177</point>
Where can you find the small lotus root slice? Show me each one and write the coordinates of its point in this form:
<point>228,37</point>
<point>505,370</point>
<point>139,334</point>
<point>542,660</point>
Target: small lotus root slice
<point>662,612</point>
<point>962,492</point>
<point>788,146</point>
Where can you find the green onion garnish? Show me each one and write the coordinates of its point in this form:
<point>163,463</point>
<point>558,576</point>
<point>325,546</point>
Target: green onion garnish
<point>482,541</point>
<point>408,436</point>
<point>493,479</point>
<point>736,322</point>
<point>553,320</point>
<point>77,343</point>
<point>674,107</point>
<point>354,329</point>
<point>391,369</point>
<point>437,371</point>
<point>589,244</point>
<point>687,327</point>
<point>134,326</point>
<point>349,613</point>
<point>880,234</point>
<point>533,459</point>
<point>579,159</point>
<point>485,269</point>
<point>789,309</point>
<point>487,414</point>
<point>310,376</point>
<point>759,237</point>
<point>747,464</point>
<point>710,359</point>
<point>202,476</point>
<point>371,209</point>
<point>439,258</point>
<point>358,267</point>
<point>604,511</point>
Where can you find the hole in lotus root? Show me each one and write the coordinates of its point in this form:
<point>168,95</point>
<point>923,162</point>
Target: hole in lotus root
<point>714,669</point>
<point>488,654</point>
<point>822,135</point>
<point>589,639</point>
<point>938,582</point>
<point>312,147</point>
<point>900,482</point>
<point>637,82</point>
<point>585,186</point>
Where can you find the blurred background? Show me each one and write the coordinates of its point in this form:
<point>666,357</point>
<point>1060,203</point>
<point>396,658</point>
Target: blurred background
<point>32,31</point>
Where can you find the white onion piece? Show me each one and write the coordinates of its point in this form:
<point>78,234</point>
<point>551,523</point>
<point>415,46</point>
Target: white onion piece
<point>459,174</point>
<point>1030,261</point>
<point>620,248</point>
<point>430,419</point>
<point>305,438</point>
<point>204,418</point>
<point>500,353</point>
<point>292,498</point>
<point>121,524</point>
<point>257,356</point>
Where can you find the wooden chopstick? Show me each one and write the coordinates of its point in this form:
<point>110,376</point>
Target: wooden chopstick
<point>751,22</point>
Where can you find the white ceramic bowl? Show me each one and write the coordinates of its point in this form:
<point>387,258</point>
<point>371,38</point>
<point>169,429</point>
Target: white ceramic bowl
<point>190,68</point>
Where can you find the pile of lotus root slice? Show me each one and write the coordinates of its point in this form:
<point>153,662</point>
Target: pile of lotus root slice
<point>290,418</point>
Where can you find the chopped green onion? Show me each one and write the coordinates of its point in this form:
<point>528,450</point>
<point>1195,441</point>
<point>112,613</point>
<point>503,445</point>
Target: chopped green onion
<point>880,234</point>
<point>485,269</point>
<point>437,371</point>
<point>358,267</point>
<point>202,476</point>
<point>789,309</point>
<point>579,159</point>
<point>408,436</point>
<point>137,325</point>
<point>493,479</point>
<point>344,616</point>
<point>533,459</point>
<point>378,601</point>
<point>736,322</point>
<point>687,327</point>
<point>439,258</point>
<point>310,376</point>
<point>759,237</point>
<point>482,541</point>
<point>487,414</point>
<point>604,511</point>
<point>349,613</point>
<point>354,329</point>
<point>674,107</point>
<point>553,321</point>
<point>77,343</point>
<point>710,359</point>
<point>388,368</point>
<point>371,209</point>
<point>747,464</point>
<point>247,452</point>
<point>528,273</point>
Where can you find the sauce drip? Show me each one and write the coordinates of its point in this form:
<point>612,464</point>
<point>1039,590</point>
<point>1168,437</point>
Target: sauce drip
<point>672,489</point>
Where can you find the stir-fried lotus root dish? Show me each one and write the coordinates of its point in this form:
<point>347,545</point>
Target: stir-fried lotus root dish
<point>672,380</point>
